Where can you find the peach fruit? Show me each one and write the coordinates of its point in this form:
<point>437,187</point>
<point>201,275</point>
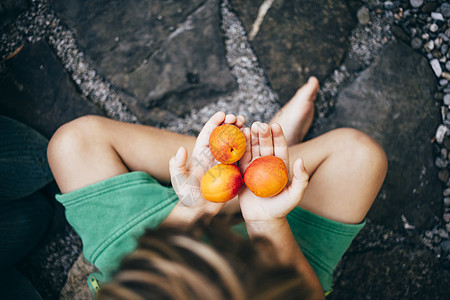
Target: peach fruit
<point>221,183</point>
<point>266,176</point>
<point>227,143</point>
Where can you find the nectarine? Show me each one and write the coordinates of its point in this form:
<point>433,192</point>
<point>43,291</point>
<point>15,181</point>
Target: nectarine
<point>227,143</point>
<point>221,183</point>
<point>266,176</point>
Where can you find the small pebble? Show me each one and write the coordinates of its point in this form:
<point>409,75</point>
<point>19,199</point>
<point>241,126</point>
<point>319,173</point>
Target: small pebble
<point>447,218</point>
<point>389,5</point>
<point>437,16</point>
<point>436,66</point>
<point>416,3</point>
<point>447,99</point>
<point>443,234</point>
<point>416,43</point>
<point>444,49</point>
<point>445,246</point>
<point>441,133</point>
<point>447,65</point>
<point>447,202</point>
<point>443,175</point>
<point>363,16</point>
<point>441,163</point>
<point>446,75</point>
<point>434,27</point>
<point>429,45</point>
<point>443,82</point>
<point>445,9</point>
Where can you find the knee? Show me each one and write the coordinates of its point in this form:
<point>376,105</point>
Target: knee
<point>362,151</point>
<point>72,139</point>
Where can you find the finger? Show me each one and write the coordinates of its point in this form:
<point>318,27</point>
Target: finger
<point>265,140</point>
<point>247,156</point>
<point>255,140</point>
<point>299,181</point>
<point>177,164</point>
<point>280,147</point>
<point>230,119</point>
<point>203,137</point>
<point>240,120</point>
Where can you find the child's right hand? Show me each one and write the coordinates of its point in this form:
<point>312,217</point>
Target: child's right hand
<point>186,175</point>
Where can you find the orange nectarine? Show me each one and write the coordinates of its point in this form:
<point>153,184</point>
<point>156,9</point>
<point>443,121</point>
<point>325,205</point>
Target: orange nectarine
<point>227,143</point>
<point>221,183</point>
<point>266,176</point>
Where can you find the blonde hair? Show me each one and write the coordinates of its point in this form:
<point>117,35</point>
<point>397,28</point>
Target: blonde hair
<point>177,264</point>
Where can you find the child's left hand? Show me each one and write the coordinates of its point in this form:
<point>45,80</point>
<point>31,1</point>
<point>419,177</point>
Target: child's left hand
<point>269,140</point>
<point>186,175</point>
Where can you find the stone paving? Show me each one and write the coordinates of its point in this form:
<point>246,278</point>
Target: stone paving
<point>172,66</point>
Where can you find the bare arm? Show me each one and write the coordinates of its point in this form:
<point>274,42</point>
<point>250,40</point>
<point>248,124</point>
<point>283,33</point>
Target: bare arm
<point>267,216</point>
<point>280,235</point>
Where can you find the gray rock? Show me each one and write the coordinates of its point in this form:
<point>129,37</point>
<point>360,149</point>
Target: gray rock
<point>416,3</point>
<point>434,27</point>
<point>445,9</point>
<point>445,245</point>
<point>399,266</point>
<point>298,39</point>
<point>441,163</point>
<point>436,66</point>
<point>363,16</point>
<point>387,88</point>
<point>441,132</point>
<point>447,202</point>
<point>166,55</point>
<point>443,175</point>
<point>9,9</point>
<point>39,93</point>
<point>437,16</point>
<point>416,43</point>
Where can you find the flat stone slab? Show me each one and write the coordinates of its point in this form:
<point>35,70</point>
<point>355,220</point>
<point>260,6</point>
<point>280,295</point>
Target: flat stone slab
<point>168,55</point>
<point>393,102</point>
<point>297,39</point>
<point>37,91</point>
<point>400,272</point>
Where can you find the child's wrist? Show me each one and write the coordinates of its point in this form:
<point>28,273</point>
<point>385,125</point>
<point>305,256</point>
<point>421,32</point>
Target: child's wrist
<point>265,227</point>
<point>183,215</point>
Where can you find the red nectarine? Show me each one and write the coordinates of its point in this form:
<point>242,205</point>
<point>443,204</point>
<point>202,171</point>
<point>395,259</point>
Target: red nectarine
<point>266,176</point>
<point>227,143</point>
<point>221,183</point>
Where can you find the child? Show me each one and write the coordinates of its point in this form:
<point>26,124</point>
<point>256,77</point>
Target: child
<point>109,174</point>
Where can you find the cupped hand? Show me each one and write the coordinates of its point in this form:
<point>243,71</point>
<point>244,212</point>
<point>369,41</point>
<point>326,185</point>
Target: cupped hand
<point>186,175</point>
<point>265,140</point>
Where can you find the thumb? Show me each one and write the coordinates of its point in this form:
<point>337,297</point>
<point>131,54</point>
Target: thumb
<point>177,164</point>
<point>299,180</point>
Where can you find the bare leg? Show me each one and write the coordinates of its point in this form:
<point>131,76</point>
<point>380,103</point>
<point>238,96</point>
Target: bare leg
<point>91,149</point>
<point>346,168</point>
<point>297,115</point>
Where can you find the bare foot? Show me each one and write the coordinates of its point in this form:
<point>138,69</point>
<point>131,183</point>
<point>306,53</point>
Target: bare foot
<point>296,116</point>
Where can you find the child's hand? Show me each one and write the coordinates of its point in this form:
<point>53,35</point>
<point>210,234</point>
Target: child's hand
<point>265,140</point>
<point>186,175</point>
